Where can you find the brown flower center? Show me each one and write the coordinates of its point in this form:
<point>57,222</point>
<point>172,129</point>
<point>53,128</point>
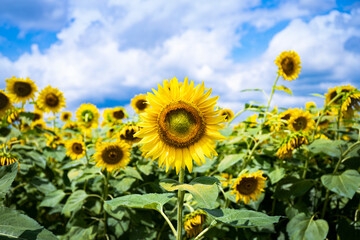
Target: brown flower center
<point>77,148</point>
<point>180,124</point>
<point>288,66</point>
<point>4,101</point>
<point>36,117</point>
<point>247,186</point>
<point>141,104</point>
<point>112,155</point>
<point>22,89</point>
<point>129,135</point>
<point>300,123</point>
<point>119,114</point>
<point>51,100</point>
<point>66,116</point>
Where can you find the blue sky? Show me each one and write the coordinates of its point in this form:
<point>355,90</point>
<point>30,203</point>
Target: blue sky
<point>105,52</point>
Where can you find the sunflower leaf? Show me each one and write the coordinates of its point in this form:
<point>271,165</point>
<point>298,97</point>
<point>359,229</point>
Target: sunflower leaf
<point>241,218</point>
<point>229,160</point>
<point>305,228</point>
<point>7,176</point>
<point>285,89</point>
<point>345,184</point>
<point>74,202</point>
<point>52,199</point>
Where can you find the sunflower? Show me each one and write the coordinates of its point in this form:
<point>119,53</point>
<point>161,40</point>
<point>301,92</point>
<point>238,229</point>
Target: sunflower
<point>248,186</point>
<point>139,103</point>
<point>75,149</point>
<point>7,159</point>
<point>118,113</point>
<point>70,125</point>
<point>180,125</point>
<point>227,113</point>
<point>37,115</point>
<point>282,120</point>
<point>310,105</point>
<point>292,142</point>
<point>301,121</point>
<point>88,116</point>
<point>227,179</point>
<point>51,99</point>
<point>65,116</point>
<point>289,65</point>
<point>349,102</point>
<point>251,121</point>
<point>5,103</point>
<point>20,90</point>
<point>127,134</point>
<point>14,115</point>
<point>53,140</point>
<point>38,124</point>
<point>193,223</point>
<point>112,155</point>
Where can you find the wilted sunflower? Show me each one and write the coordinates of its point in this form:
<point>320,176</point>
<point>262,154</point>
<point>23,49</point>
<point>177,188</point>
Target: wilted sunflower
<point>227,113</point>
<point>291,143</point>
<point>7,159</point>
<point>51,99</point>
<point>301,121</point>
<point>289,65</point>
<point>88,115</point>
<point>180,125</point>
<point>21,90</point>
<point>127,134</point>
<point>139,103</point>
<point>65,116</point>
<point>248,186</point>
<point>5,103</point>
<point>75,149</point>
<point>349,102</point>
<point>112,155</point>
<point>193,223</point>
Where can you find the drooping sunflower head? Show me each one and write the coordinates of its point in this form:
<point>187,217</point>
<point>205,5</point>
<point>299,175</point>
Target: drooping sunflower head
<point>65,116</point>
<point>193,223</point>
<point>351,101</point>
<point>301,121</point>
<point>7,159</point>
<point>180,125</point>
<point>112,155</point>
<point>5,103</point>
<point>249,186</point>
<point>289,65</point>
<point>51,99</point>
<point>75,149</point>
<point>127,133</point>
<point>118,113</point>
<point>139,103</point>
<point>21,90</point>
<point>14,115</point>
<point>88,115</point>
<point>227,113</point>
<point>289,144</point>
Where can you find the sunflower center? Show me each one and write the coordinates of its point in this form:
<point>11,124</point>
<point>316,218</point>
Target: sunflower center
<point>119,114</point>
<point>129,135</point>
<point>36,117</point>
<point>288,65</point>
<point>226,114</point>
<point>4,101</point>
<point>300,123</point>
<point>247,186</point>
<point>87,116</point>
<point>181,124</point>
<point>22,89</point>
<point>141,104</point>
<point>66,116</point>
<point>77,148</point>
<point>51,100</point>
<point>112,155</point>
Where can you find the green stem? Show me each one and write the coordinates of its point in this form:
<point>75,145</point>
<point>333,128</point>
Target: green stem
<point>246,161</point>
<point>54,122</point>
<point>213,224</point>
<point>106,191</point>
<point>228,124</point>
<point>169,222</point>
<point>180,206</point>
<point>305,168</point>
<point>271,95</point>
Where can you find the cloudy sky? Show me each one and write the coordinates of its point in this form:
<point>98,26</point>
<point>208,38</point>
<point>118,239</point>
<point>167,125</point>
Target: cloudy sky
<point>105,52</point>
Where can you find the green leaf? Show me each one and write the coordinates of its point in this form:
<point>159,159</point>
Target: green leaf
<point>149,201</point>
<point>204,189</point>
<point>52,199</point>
<point>74,202</point>
<point>226,132</point>
<point>14,225</point>
<point>345,184</point>
<point>122,185</point>
<point>205,167</point>
<point>117,212</point>
<point>276,175</point>
<point>229,160</point>
<point>7,176</point>
<point>43,185</point>
<point>129,171</point>
<point>285,89</point>
<point>326,146</point>
<point>317,95</point>
<point>241,218</point>
<point>302,227</point>
<point>82,233</point>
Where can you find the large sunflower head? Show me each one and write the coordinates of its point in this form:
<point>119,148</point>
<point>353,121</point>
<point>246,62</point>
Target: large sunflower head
<point>301,121</point>
<point>127,133</point>
<point>193,223</point>
<point>21,90</point>
<point>51,99</point>
<point>75,149</point>
<point>289,65</point>
<point>248,186</point>
<point>5,103</point>
<point>88,115</point>
<point>180,125</point>
<point>112,155</point>
<point>227,113</point>
<point>65,116</point>
<point>139,103</point>
<point>118,113</point>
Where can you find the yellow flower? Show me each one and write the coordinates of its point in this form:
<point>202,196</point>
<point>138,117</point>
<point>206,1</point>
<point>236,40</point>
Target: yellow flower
<point>288,145</point>
<point>127,134</point>
<point>20,90</point>
<point>37,115</point>
<point>53,140</point>
<point>227,113</point>
<point>5,103</point>
<point>252,120</point>
<point>289,65</point>
<point>310,105</point>
<point>7,159</point>
<point>301,121</point>
<point>193,223</point>
<point>70,125</point>
<point>88,115</point>
<point>118,113</point>
<point>228,179</point>
<point>75,149</point>
<point>139,103</point>
<point>112,155</point>
<point>281,120</point>
<point>51,99</point>
<point>248,186</point>
<point>39,124</point>
<point>65,116</point>
<point>14,115</point>
<point>180,125</point>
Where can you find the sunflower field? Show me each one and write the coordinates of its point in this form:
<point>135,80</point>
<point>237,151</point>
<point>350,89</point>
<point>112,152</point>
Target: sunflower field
<point>181,167</point>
